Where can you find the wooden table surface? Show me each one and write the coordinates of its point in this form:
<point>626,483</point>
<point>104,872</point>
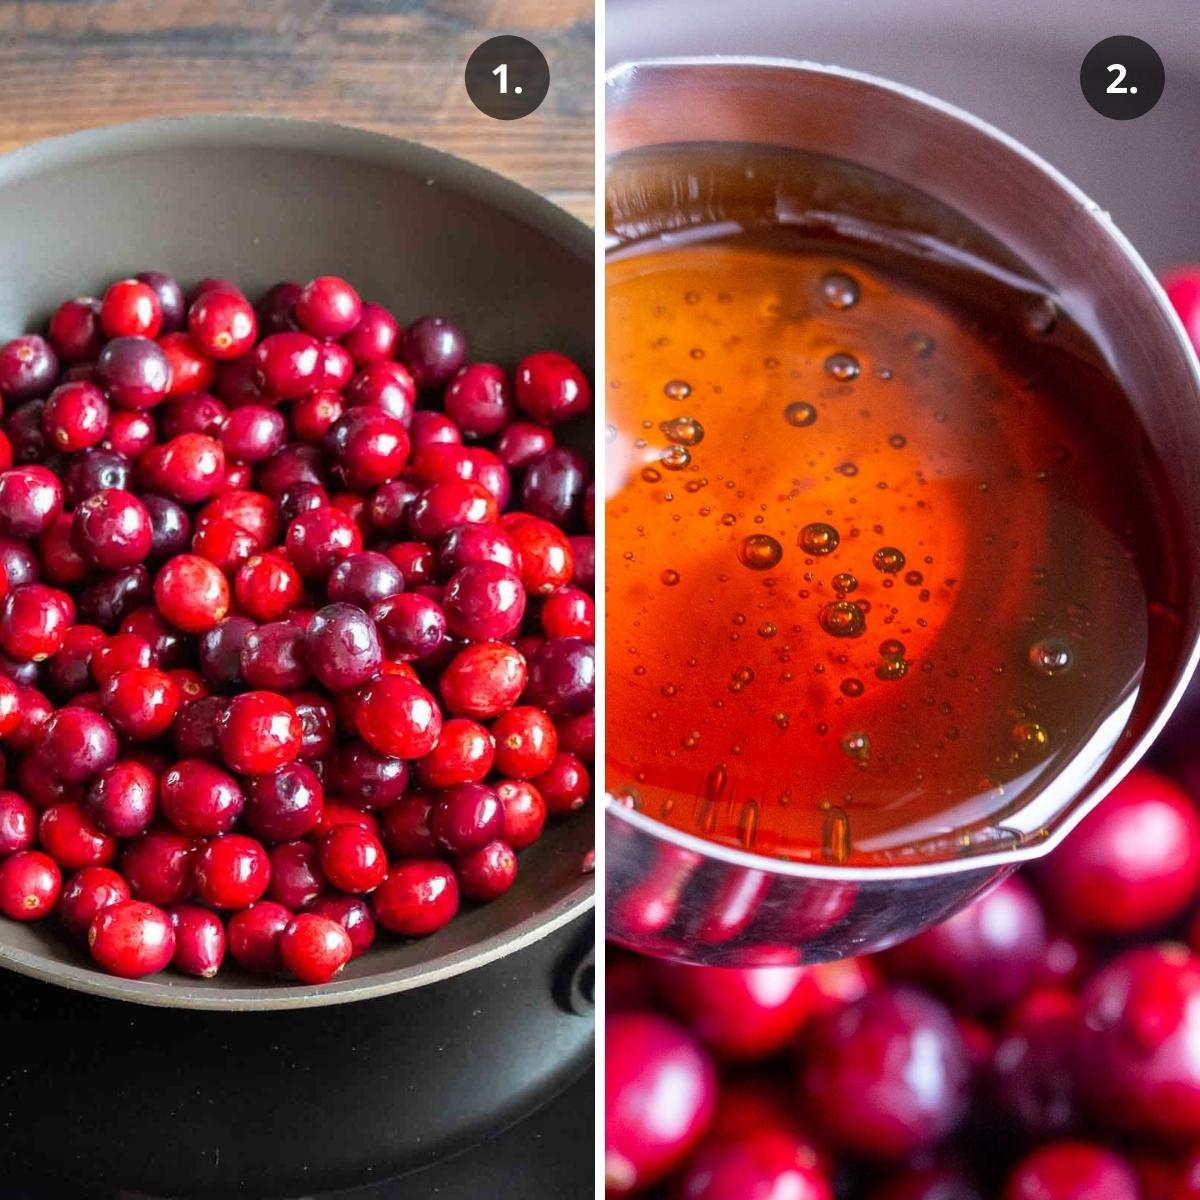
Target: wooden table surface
<point>390,65</point>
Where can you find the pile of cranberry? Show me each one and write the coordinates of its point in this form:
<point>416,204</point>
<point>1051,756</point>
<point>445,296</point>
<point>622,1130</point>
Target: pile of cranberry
<point>295,624</point>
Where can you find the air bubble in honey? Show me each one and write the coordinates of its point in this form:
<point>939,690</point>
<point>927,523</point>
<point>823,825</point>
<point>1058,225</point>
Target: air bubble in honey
<point>683,431</point>
<point>800,414</point>
<point>1051,656</point>
<point>844,582</point>
<point>888,559</point>
<point>675,458</point>
<point>760,552</point>
<point>651,475</point>
<point>818,538</point>
<point>852,688</point>
<point>843,619</point>
<point>839,291</point>
<point>842,367</point>
<point>921,344</point>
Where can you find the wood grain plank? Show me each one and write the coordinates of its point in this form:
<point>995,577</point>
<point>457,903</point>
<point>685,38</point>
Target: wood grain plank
<point>390,65</point>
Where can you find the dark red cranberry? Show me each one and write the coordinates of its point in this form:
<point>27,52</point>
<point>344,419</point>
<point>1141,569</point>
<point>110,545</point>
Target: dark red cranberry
<point>478,400</point>
<point>411,626</point>
<point>463,754</point>
<point>522,442</point>
<point>984,958</point>
<point>108,599</point>
<point>258,732</point>
<point>170,299</point>
<point>35,711</point>
<point>861,1081</point>
<point>134,372</point>
<point>158,866</point>
<point>934,1183</point>
<point>254,935</point>
<point>232,871</point>
<point>328,307</point>
<point>660,1092</point>
<point>18,562</point>
<point>547,561</point>
<point>275,308</point>
<point>483,680</point>
<point>18,823</point>
<point>284,805</point>
<point>315,948</point>
<point>318,540</point>
<point>406,831</point>
<point>433,350</point>
<point>191,593</point>
<point>568,612</point>
<point>130,308</point>
<point>416,898</point>
<point>193,412</point>
<point>199,940</point>
<point>92,472</point>
<point>89,891</point>
<point>562,676</point>
<point>75,330</point>
<point>221,651</point>
<point>764,1162</point>
<point>554,484</point>
<point>1132,864</point>
<point>1072,1171</point>
<point>550,388</point>
<point>484,602</point>
<point>469,544</point>
<point>253,433</point>
<point>195,730</point>
<point>415,560</point>
<point>385,385</point>
<point>30,498</point>
<point>317,723</point>
<point>61,559</point>
<point>123,799</point>
<point>371,780</point>
<point>222,324</point>
<point>1034,1065</point>
<point>583,549</point>
<point>467,816</point>
<point>364,578</point>
<point>28,368</point>
<point>71,670</point>
<point>442,506</point>
<point>170,527</point>
<point>343,646</point>
<point>113,529</point>
<point>354,916</point>
<point>398,718</point>
<point>276,657</point>
<point>487,873</point>
<point>524,812</point>
<point>200,799</point>
<point>374,338</point>
<point>77,743</point>
<point>132,938</point>
<point>289,363</point>
<point>296,876</point>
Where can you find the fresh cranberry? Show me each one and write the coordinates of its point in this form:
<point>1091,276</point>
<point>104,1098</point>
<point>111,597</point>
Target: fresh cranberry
<point>375,337</point>
<point>134,372</point>
<point>550,388</point>
<point>28,368</point>
<point>275,657</point>
<point>191,593</point>
<point>199,940</point>
<point>463,754</point>
<point>170,298</point>
<point>365,578</point>
<point>1072,1171</point>
<point>222,324</point>
<point>75,417</point>
<point>429,427</point>
<point>434,350</point>
<point>170,527</point>
<point>200,799</point>
<point>116,653</point>
<point>771,1163</point>
<point>89,891</point>
<point>488,872</point>
<point>562,676</point>
<point>412,627</point>
<point>258,732</point>
<point>328,307</point>
<point>366,778</point>
<point>1034,1065</point>
<point>887,1075</point>
<point>442,506</point>
<point>319,539</point>
<point>75,330</point>
<point>192,374</point>
<point>522,442</point>
<point>77,743</point>
<point>132,938</point>
<point>30,498</point>
<point>254,936</point>
<point>130,308</point>
<point>524,812</point>
<point>267,586</point>
<point>141,702</point>
<point>577,735</point>
<point>467,816</point>
<point>353,859</point>
<point>34,620</point>
<point>317,721</point>
<point>659,1097</point>
<point>315,948</point>
<point>18,823</point>
<point>583,547</point>
<point>385,385</point>
<point>289,363</point>
<point>398,717</point>
<point>123,799</point>
<point>484,602</point>
<point>1132,864</point>
<point>565,786</point>
<point>416,561</point>
<point>547,561</point>
<point>232,871</point>
<point>131,433</point>
<point>252,433</point>
<point>526,742</point>
<point>274,310</point>
<point>285,804</point>
<point>354,916</point>
<point>343,646</point>
<point>406,831</point>
<point>478,400</point>
<point>221,651</point>
<point>296,875</point>
<point>568,612</point>
<point>192,412</point>
<point>158,866</point>
<point>68,835</point>
<point>418,897</point>
<point>554,485</point>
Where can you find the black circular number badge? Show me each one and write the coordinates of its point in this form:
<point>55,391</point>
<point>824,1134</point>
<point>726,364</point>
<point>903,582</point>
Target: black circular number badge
<point>507,77</point>
<point>1122,78</point>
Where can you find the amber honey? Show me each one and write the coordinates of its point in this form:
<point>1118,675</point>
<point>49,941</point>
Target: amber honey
<point>887,552</point>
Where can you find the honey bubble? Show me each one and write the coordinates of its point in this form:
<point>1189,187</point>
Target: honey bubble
<point>760,552</point>
<point>819,538</point>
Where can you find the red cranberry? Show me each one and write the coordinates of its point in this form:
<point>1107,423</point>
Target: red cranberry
<point>296,875</point>
<point>30,882</point>
<point>442,506</point>
<point>30,498</point>
<point>365,578</point>
<point>1072,1171</point>
<point>765,1162</point>
<point>130,309</point>
<point>385,385</point>
<point>18,823</point>
<point>289,363</point>
<point>551,388</point>
<point>88,892</point>
<point>524,812</point>
<point>562,676</point>
<point>478,400</point>
<point>415,560</point>
<point>34,620</point>
<point>583,547</point>
<point>68,835</point>
<point>77,743</point>
<point>284,805</point>
<point>434,351</point>
<point>328,307</point>
<point>92,471</point>
<point>123,799</point>
<point>887,1075</point>
<point>158,866</point>
<point>353,859</point>
<point>468,544</point>
<point>267,586</point>
<point>315,948</point>
<point>192,412</point>
<point>254,936</point>
<point>75,330</point>
<point>232,871</point>
<point>398,717</point>
<point>354,916</point>
<point>1132,864</point>
<point>1034,1067</point>
<point>191,593</point>
<point>484,602</point>
<point>76,417</point>
<point>222,324</point>
<point>252,433</point>
<point>985,957</point>
<point>463,754</point>
<point>132,938</point>
<point>467,816</point>
<point>274,310</point>
<point>317,720</point>
<point>258,732</point>
<point>417,897</point>
<point>343,646</point>
<point>429,427</point>
<point>659,1096</point>
<point>526,742</point>
<point>141,702</point>
<point>521,442</point>
<point>577,735</point>
<point>406,831</point>
<point>28,368</point>
<point>195,730</point>
<point>134,372</point>
<point>547,561</point>
<point>487,873</point>
<point>566,785</point>
<point>192,374</point>
<point>200,799</point>
<point>275,657</point>
<point>568,612</point>
<point>319,539</point>
<point>131,434</point>
<point>375,337</point>
<point>199,940</point>
<point>411,626</point>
